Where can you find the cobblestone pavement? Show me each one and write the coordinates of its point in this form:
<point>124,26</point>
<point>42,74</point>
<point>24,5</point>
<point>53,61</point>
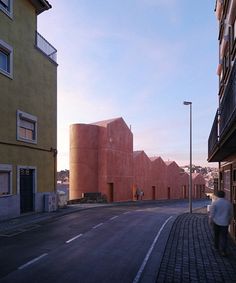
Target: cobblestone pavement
<point>190,257</point>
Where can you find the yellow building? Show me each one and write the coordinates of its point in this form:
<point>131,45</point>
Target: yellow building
<point>28,110</point>
<point>222,139</point>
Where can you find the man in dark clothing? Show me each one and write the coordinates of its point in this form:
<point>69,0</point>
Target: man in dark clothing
<point>221,213</point>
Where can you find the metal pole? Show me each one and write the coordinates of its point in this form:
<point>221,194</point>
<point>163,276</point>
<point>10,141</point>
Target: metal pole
<point>190,174</point>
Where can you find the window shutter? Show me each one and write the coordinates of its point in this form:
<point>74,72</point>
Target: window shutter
<point>27,124</point>
<point>4,182</point>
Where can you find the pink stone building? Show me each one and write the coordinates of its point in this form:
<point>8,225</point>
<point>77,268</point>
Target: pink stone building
<point>142,176</point>
<point>102,161</point>
<point>184,184</point>
<point>159,178</point>
<point>198,185</point>
<point>173,180</point>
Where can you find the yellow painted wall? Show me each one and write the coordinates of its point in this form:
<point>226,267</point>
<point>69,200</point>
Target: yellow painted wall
<point>33,90</point>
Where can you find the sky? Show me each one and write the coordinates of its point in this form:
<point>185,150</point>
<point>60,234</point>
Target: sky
<point>139,60</point>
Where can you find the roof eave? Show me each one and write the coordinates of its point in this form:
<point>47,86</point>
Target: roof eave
<point>41,5</point>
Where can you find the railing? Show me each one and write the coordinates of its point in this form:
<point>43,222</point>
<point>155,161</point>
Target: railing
<point>213,138</point>
<point>227,108</point>
<point>45,47</point>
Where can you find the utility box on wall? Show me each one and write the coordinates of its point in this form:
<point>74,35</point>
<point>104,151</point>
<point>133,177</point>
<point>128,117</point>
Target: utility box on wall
<point>50,202</point>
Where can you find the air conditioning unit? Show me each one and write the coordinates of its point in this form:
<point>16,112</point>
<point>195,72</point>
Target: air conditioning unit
<point>50,202</point>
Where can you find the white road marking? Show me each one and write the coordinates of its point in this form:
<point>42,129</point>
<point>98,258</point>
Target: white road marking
<point>32,261</point>
<point>74,238</point>
<point>127,212</point>
<point>114,217</point>
<point>137,278</point>
<point>96,226</point>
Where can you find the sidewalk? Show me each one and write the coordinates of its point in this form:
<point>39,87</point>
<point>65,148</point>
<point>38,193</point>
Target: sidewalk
<point>27,221</point>
<point>189,254</point>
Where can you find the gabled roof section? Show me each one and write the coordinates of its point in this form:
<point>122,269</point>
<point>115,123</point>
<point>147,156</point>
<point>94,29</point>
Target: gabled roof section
<point>104,123</point>
<point>41,5</point>
<point>153,158</point>
<point>184,174</point>
<point>169,162</point>
<point>196,175</point>
<point>137,153</point>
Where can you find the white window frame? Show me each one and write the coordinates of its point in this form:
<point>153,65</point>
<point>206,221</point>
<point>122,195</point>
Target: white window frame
<point>27,117</point>
<point>7,168</point>
<point>6,6</point>
<point>6,48</point>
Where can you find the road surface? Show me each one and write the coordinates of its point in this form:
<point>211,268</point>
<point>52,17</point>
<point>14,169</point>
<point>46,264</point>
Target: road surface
<point>122,244</point>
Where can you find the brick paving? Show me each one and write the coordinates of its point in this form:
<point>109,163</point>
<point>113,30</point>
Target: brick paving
<point>190,257</point>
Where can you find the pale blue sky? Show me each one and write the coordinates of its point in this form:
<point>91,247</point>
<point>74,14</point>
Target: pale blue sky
<point>137,59</point>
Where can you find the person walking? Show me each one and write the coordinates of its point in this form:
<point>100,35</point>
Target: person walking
<point>221,213</point>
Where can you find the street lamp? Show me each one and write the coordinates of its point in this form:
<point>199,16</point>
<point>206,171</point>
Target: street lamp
<point>190,173</point>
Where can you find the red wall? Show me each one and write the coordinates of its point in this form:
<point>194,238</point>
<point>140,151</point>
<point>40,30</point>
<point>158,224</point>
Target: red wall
<point>102,160</point>
<point>142,174</point>
<point>173,180</point>
<point>159,177</point>
<point>116,160</point>
<point>198,186</point>
<point>184,185</point>
<point>83,160</point>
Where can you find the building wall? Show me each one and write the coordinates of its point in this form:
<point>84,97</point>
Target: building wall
<point>173,181</point>
<point>222,137</point>
<point>198,186</point>
<point>116,160</point>
<point>33,90</point>
<point>184,185</point>
<point>159,178</point>
<point>142,176</point>
<point>102,160</point>
<point>83,159</point>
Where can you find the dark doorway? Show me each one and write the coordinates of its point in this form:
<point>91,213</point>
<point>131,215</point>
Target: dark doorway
<point>184,192</point>
<point>26,190</point>
<point>153,192</point>
<point>234,210</point>
<point>168,192</point>
<point>110,192</point>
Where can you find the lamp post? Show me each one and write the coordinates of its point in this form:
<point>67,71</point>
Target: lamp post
<point>190,173</point>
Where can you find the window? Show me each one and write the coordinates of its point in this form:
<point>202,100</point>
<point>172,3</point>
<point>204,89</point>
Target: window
<point>5,179</point>
<point>233,33</point>
<point>234,175</point>
<point>6,7</point>
<point>226,62</point>
<point>26,127</point>
<point>234,30</point>
<point>6,59</point>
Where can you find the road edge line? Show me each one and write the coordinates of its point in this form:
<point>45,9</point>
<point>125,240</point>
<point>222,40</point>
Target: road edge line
<point>140,271</point>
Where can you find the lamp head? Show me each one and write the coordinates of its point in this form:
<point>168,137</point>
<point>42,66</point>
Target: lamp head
<point>187,102</point>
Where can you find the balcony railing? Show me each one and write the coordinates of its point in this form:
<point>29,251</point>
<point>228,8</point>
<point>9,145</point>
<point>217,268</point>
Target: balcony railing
<point>227,109</point>
<point>222,139</point>
<point>45,47</point>
<point>213,138</point>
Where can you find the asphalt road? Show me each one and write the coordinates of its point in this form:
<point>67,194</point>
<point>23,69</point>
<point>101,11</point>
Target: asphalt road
<point>108,244</point>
